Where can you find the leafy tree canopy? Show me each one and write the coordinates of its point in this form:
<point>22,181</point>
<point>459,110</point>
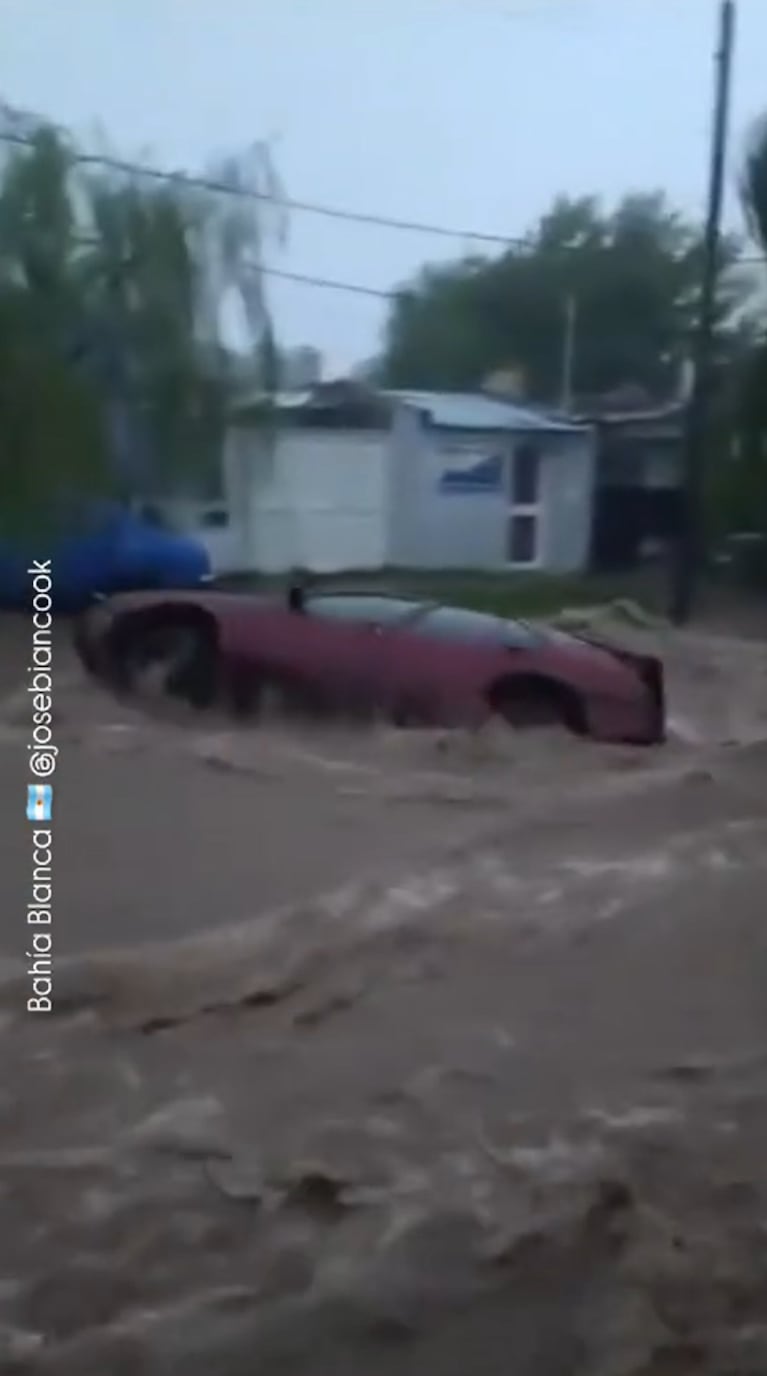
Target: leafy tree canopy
<point>632,272</point>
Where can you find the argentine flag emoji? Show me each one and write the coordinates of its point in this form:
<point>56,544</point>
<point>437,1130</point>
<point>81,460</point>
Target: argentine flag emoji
<point>39,802</point>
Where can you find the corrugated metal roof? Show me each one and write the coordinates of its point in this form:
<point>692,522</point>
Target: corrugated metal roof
<point>284,401</point>
<point>474,411</point>
<point>673,411</point>
<point>293,401</point>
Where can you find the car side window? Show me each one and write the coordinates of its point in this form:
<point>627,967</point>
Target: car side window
<point>460,623</point>
<point>360,610</point>
<point>517,635</point>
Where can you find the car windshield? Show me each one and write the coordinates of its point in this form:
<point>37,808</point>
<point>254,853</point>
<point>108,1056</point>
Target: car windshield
<point>461,623</point>
<point>365,609</point>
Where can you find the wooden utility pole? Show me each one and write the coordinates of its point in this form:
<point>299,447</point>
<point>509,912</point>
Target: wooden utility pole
<point>689,549</point>
<point>568,353</point>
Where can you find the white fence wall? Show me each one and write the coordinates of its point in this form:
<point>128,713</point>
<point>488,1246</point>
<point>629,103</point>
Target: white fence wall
<point>319,501</point>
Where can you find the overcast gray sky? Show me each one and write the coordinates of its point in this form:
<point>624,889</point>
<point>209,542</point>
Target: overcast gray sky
<point>471,113</point>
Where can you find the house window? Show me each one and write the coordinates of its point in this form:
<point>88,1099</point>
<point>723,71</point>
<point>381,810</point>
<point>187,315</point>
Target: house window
<point>524,503</point>
<point>525,475</point>
<point>522,539</point>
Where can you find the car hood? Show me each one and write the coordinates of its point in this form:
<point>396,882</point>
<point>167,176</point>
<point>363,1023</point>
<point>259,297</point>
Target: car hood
<point>575,641</point>
<point>583,648</point>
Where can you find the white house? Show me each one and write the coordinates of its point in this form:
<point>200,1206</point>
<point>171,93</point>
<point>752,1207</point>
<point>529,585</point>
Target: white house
<point>482,483</point>
<point>352,479</point>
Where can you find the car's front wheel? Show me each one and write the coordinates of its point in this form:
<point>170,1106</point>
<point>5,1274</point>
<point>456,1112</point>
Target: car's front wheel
<point>527,703</point>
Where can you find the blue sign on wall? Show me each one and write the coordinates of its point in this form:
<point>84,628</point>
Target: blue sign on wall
<point>466,471</point>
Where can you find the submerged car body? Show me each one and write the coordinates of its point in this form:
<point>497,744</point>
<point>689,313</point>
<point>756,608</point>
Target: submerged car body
<point>408,659</point>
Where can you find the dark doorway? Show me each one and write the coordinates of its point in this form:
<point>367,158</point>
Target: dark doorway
<point>626,518</point>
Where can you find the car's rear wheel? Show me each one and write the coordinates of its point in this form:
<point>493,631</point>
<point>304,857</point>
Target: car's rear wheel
<point>530,703</point>
<point>171,654</point>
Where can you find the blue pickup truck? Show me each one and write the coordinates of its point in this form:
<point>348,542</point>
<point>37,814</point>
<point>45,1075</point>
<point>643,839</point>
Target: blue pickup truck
<point>111,550</point>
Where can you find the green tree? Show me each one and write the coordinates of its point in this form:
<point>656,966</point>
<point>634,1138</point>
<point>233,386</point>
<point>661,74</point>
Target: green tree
<point>169,260</point>
<point>113,298</point>
<point>51,432</point>
<point>632,273</point>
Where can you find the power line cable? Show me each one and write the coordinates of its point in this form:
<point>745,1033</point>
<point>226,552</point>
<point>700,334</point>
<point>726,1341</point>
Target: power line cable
<point>329,282</point>
<point>133,169</point>
<point>307,279</point>
<point>213,185</point>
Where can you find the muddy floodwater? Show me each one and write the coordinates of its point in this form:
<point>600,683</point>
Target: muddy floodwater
<point>378,1051</point>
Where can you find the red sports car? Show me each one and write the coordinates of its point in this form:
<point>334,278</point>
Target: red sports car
<point>412,661</point>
